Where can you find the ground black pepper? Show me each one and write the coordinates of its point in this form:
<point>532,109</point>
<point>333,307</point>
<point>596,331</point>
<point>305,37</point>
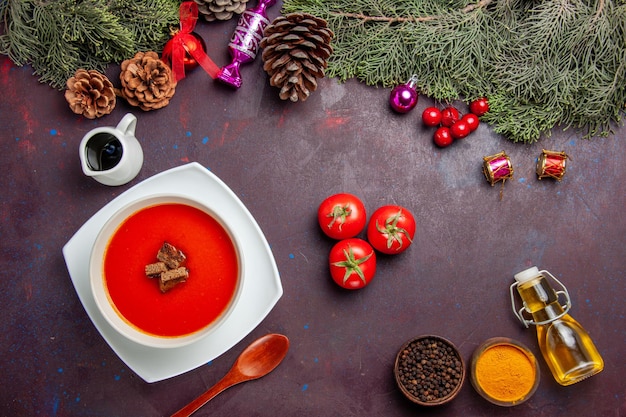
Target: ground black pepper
<point>429,369</point>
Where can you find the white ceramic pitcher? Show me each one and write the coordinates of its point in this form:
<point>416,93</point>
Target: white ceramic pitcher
<point>112,155</point>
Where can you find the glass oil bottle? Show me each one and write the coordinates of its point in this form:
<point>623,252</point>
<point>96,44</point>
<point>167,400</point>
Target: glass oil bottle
<point>566,346</point>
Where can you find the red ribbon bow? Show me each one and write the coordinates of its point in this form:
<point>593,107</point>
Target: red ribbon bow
<point>176,54</point>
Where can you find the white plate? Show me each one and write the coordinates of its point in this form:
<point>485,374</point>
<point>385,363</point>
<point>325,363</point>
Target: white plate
<point>261,290</point>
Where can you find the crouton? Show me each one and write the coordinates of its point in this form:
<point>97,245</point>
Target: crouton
<point>169,279</point>
<point>156,269</point>
<point>172,257</point>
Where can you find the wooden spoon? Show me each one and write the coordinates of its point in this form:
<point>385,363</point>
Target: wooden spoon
<point>257,360</point>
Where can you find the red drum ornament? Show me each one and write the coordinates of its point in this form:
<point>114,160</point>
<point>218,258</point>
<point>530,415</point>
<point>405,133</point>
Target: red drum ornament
<point>497,167</point>
<point>190,46</point>
<point>403,98</point>
<point>551,164</point>
<point>186,49</point>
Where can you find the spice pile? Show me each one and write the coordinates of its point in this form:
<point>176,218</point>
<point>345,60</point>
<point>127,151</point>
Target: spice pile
<point>429,369</point>
<point>505,373</point>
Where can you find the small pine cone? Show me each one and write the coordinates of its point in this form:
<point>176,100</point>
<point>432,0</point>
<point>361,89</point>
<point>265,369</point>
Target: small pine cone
<point>212,10</point>
<point>90,93</point>
<point>295,52</point>
<point>147,82</point>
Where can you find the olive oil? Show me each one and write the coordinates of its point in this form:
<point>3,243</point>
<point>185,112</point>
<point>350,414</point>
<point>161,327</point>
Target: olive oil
<point>566,346</point>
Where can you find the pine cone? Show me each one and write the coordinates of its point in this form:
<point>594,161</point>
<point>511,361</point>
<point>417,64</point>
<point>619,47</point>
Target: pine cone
<point>90,94</point>
<point>147,81</point>
<point>296,47</point>
<point>212,10</point>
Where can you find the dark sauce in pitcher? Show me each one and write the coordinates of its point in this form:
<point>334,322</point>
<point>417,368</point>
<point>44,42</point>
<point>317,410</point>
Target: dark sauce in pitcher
<point>104,151</point>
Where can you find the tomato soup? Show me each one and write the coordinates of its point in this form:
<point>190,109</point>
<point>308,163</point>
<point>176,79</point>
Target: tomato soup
<point>191,305</point>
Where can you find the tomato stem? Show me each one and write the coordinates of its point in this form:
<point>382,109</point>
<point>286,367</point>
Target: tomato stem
<point>339,214</point>
<point>352,265</point>
<point>392,231</point>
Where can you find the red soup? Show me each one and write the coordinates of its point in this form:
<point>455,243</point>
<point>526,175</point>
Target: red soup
<point>188,307</point>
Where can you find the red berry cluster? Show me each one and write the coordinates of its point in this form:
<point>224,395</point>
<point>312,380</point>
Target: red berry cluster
<point>451,125</point>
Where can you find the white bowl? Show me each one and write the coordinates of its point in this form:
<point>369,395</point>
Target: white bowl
<point>98,281</point>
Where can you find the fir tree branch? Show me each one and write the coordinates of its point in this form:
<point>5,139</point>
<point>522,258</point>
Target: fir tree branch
<point>407,19</point>
<point>58,37</point>
<point>559,62</point>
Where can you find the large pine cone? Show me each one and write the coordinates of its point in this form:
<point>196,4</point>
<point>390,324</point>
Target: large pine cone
<point>212,10</point>
<point>296,49</point>
<point>90,94</point>
<point>147,82</point>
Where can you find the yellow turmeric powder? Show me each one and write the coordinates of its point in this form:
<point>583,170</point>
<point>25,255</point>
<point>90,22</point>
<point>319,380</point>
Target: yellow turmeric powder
<point>505,373</point>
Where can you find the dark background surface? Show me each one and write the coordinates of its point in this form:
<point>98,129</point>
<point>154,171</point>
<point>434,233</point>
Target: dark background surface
<point>282,160</point>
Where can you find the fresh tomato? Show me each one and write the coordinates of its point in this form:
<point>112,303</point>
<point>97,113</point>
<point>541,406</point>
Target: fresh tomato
<point>341,216</point>
<point>352,263</point>
<point>391,229</point>
<point>479,106</point>
<point>443,137</point>
<point>449,116</point>
<point>431,116</point>
<point>472,121</point>
<point>460,129</point>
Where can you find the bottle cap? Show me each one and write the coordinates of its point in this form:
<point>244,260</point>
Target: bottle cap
<point>527,275</point>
